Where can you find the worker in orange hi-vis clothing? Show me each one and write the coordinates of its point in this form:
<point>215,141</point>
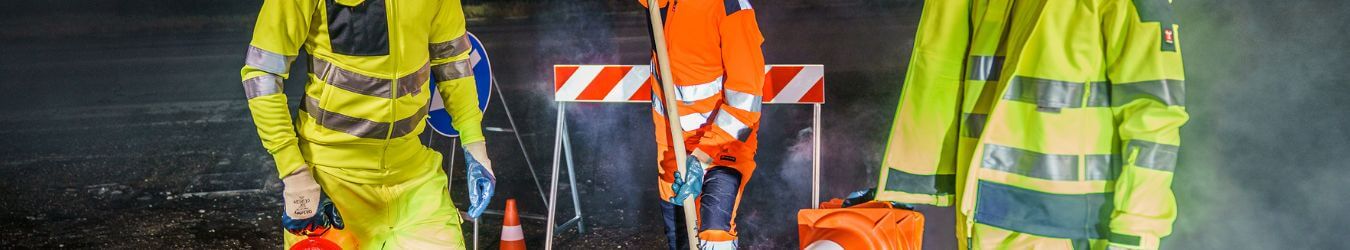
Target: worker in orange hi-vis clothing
<point>718,66</point>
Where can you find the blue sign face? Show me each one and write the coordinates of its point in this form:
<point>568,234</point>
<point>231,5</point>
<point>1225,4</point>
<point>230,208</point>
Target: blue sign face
<point>437,117</point>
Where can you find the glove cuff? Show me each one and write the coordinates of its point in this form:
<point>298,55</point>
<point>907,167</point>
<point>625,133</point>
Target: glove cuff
<point>478,150</point>
<point>302,178</point>
<point>288,160</point>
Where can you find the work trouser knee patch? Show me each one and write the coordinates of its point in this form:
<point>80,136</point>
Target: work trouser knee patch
<point>721,185</point>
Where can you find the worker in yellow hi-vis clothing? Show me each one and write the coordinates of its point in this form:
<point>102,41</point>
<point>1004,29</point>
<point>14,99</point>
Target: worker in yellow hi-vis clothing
<point>1049,124</point>
<point>354,152</point>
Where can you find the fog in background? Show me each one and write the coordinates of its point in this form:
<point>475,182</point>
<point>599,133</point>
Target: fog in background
<point>125,125</point>
<point>1265,161</point>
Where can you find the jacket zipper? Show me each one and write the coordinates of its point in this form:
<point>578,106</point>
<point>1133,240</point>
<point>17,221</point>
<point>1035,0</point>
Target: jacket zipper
<point>391,20</point>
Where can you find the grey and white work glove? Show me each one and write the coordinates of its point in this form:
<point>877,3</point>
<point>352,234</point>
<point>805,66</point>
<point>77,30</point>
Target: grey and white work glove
<point>482,183</point>
<point>308,210</point>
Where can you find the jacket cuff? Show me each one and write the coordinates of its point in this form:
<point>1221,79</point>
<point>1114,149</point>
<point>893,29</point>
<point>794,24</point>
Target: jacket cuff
<point>1134,241</point>
<point>466,138</point>
<point>288,159</point>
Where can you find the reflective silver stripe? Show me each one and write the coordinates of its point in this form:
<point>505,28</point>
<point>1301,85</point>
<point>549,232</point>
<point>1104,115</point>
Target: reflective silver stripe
<point>452,70</point>
<point>690,122</point>
<point>693,93</point>
<point>1030,163</point>
<point>975,124</point>
<point>406,125</point>
<point>262,85</point>
<point>1099,94</point>
<point>1169,92</point>
<point>984,68</point>
<point>451,48</point>
<point>732,126</point>
<point>267,61</point>
<point>1102,167</point>
<point>719,245</point>
<point>656,105</point>
<point>410,84</point>
<point>1053,167</point>
<point>1153,155</point>
<point>361,127</point>
<point>1052,95</point>
<point>743,101</point>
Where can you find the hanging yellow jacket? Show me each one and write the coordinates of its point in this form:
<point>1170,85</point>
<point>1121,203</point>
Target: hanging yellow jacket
<point>1049,124</point>
<point>365,101</point>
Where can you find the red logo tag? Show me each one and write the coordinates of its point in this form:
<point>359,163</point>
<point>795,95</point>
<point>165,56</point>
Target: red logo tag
<point>1167,35</point>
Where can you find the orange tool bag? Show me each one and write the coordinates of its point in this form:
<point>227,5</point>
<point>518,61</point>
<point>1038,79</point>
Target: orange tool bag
<point>871,225</point>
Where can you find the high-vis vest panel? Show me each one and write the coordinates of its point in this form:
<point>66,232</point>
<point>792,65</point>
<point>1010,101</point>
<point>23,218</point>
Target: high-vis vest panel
<point>1054,121</point>
<point>365,100</point>
<point>718,67</point>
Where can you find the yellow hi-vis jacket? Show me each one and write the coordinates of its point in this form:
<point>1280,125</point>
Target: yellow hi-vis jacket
<point>365,101</point>
<point>1056,119</point>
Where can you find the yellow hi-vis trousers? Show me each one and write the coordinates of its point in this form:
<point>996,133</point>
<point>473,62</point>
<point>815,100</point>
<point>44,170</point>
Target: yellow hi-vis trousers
<point>412,214</point>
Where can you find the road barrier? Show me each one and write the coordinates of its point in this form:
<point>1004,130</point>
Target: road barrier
<point>783,84</point>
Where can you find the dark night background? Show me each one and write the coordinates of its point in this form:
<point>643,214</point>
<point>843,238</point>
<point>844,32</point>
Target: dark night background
<point>124,124</point>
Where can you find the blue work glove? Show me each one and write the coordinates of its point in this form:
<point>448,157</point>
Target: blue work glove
<point>691,184</point>
<point>868,195</point>
<point>481,181</point>
<point>308,210</point>
<point>860,197</point>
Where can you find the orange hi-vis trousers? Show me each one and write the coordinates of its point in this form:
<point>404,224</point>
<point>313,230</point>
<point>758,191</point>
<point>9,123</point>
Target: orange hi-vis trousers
<point>718,70</point>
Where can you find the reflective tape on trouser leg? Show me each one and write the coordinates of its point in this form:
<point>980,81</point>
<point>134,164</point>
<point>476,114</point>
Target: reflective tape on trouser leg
<point>676,237</point>
<point>718,203</point>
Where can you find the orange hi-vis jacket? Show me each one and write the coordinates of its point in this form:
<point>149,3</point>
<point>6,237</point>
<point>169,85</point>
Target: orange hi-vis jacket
<point>718,66</point>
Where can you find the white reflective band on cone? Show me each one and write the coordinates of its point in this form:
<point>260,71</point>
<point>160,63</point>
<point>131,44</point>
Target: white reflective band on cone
<point>824,245</point>
<point>512,233</point>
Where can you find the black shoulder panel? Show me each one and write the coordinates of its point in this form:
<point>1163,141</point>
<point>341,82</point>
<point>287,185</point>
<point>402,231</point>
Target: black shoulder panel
<point>361,30</point>
<point>1159,11</point>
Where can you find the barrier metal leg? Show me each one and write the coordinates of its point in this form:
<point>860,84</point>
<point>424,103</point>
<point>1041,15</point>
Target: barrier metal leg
<point>553,183</point>
<point>815,157</point>
<point>516,130</point>
<point>572,180</point>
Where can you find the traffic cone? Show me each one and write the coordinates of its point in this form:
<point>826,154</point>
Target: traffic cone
<point>513,237</point>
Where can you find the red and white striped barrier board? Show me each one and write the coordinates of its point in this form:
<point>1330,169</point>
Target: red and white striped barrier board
<point>783,84</point>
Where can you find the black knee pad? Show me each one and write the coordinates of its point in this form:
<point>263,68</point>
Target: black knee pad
<point>718,202</point>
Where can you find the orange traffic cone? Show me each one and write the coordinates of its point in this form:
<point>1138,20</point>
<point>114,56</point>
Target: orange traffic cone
<point>513,237</point>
